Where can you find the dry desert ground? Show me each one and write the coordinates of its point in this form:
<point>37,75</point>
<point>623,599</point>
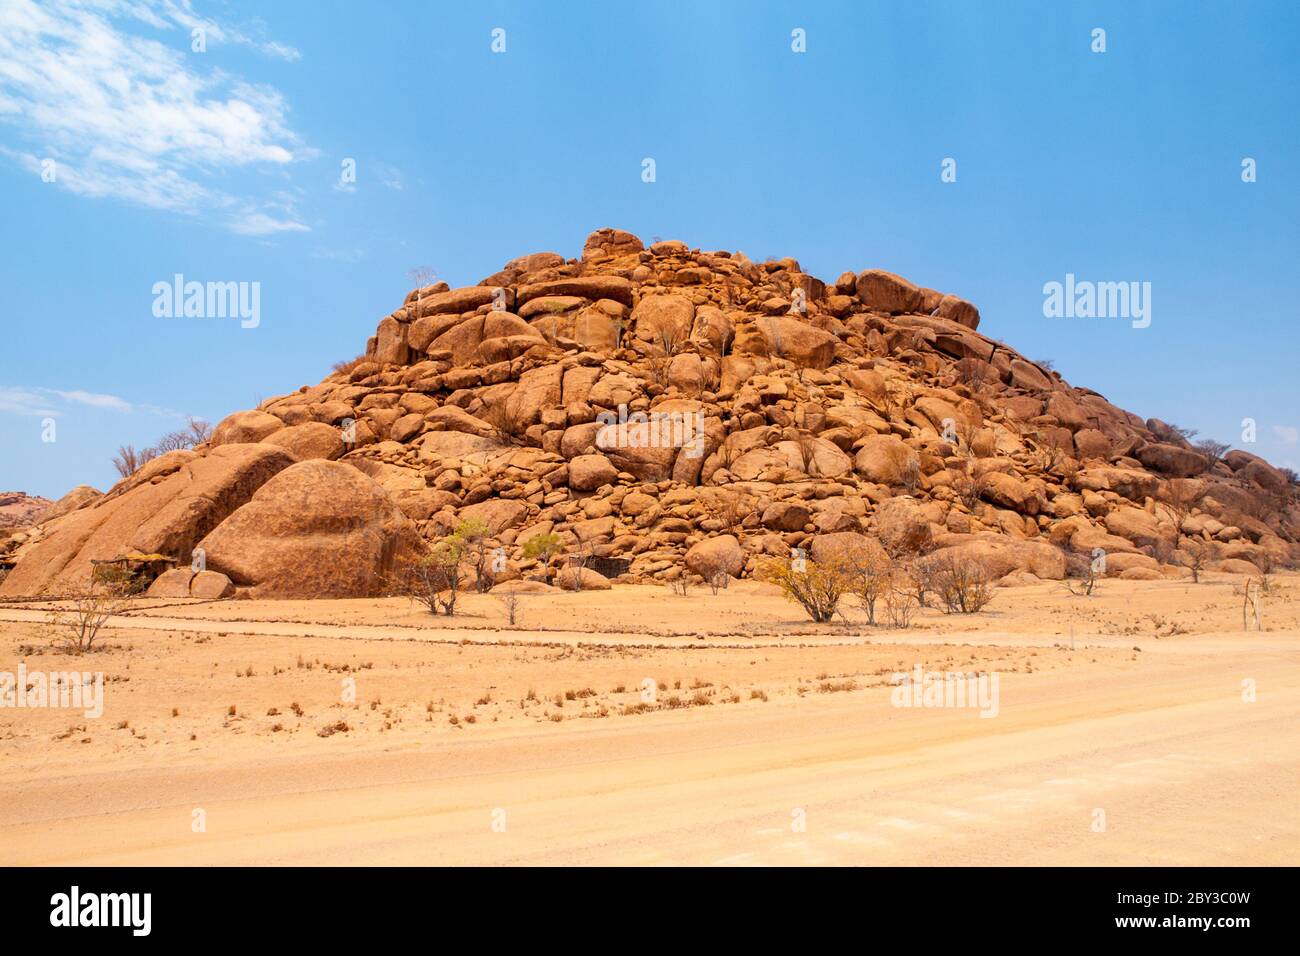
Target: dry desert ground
<point>1141,725</point>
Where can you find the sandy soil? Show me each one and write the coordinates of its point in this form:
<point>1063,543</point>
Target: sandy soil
<point>367,732</point>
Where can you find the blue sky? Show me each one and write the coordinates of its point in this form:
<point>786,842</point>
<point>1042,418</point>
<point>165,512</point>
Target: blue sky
<point>224,165</point>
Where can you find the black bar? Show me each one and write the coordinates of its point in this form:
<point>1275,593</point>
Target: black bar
<point>333,906</point>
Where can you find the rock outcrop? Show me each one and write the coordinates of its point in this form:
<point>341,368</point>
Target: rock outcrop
<point>667,410</point>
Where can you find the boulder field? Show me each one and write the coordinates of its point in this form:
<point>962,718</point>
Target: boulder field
<point>681,412</point>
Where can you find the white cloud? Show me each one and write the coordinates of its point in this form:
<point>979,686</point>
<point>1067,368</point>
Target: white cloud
<point>1288,433</point>
<point>53,402</point>
<point>95,400</point>
<point>390,176</point>
<point>127,116</point>
<point>340,255</point>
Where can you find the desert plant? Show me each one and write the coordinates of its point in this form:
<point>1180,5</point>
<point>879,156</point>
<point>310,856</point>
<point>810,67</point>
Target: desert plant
<point>127,460</point>
<point>505,419</point>
<point>473,534</point>
<point>347,366</point>
<point>1082,567</point>
<point>1212,450</point>
<point>511,602</point>
<point>968,489</point>
<point>542,547</point>
<point>873,578</point>
<point>816,586</point>
<point>921,574</point>
<point>89,606</point>
<point>900,605</point>
<point>578,561</point>
<point>434,579</point>
<point>1199,554</point>
<point>963,584</point>
<point>806,447</point>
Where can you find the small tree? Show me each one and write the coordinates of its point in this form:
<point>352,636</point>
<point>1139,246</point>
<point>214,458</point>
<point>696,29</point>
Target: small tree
<point>873,578</point>
<point>422,276</point>
<point>962,584</point>
<point>473,534</point>
<point>1199,554</point>
<point>542,547</point>
<point>434,580</point>
<point>1084,567</point>
<point>816,586</point>
<point>127,460</point>
<point>900,605</point>
<point>1212,450</point>
<point>511,602</point>
<point>90,605</point>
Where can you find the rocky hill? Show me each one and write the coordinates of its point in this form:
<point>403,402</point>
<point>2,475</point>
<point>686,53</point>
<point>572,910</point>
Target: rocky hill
<point>669,411</point>
<point>19,509</point>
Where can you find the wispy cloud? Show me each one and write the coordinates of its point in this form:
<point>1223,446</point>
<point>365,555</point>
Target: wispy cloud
<point>354,254</point>
<point>127,116</point>
<point>53,402</point>
<point>1289,434</point>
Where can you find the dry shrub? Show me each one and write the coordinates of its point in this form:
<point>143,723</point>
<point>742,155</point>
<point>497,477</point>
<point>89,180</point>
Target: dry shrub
<point>806,447</point>
<point>90,605</point>
<point>511,602</point>
<point>900,605</point>
<point>348,366</point>
<point>505,420</point>
<point>873,579</point>
<point>968,489</point>
<point>434,579</point>
<point>1082,567</point>
<point>729,507</point>
<point>962,584</point>
<point>817,587</point>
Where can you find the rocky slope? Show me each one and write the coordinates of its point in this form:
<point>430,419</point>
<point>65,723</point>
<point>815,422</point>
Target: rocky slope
<point>677,411</point>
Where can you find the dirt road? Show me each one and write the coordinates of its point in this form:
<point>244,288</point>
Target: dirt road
<point>1163,764</point>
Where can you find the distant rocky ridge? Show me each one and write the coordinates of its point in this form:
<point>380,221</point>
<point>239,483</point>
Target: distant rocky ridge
<point>677,411</point>
<point>19,509</point>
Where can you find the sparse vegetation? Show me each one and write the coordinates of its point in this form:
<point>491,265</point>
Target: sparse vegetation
<point>817,587</point>
<point>89,607</point>
<point>128,460</point>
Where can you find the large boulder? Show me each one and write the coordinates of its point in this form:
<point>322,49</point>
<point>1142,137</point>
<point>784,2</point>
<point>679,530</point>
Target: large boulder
<point>242,427</point>
<point>883,291</point>
<point>589,472</point>
<point>784,336</point>
<point>309,440</point>
<point>884,459</point>
<point>999,555</point>
<point>959,311</point>
<point>720,553</point>
<point>317,529</point>
<point>610,242</point>
<point>664,319</point>
<point>166,515</point>
<point>1172,460</point>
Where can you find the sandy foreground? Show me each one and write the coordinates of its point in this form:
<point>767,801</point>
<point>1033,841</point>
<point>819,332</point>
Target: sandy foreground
<point>1138,726</point>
